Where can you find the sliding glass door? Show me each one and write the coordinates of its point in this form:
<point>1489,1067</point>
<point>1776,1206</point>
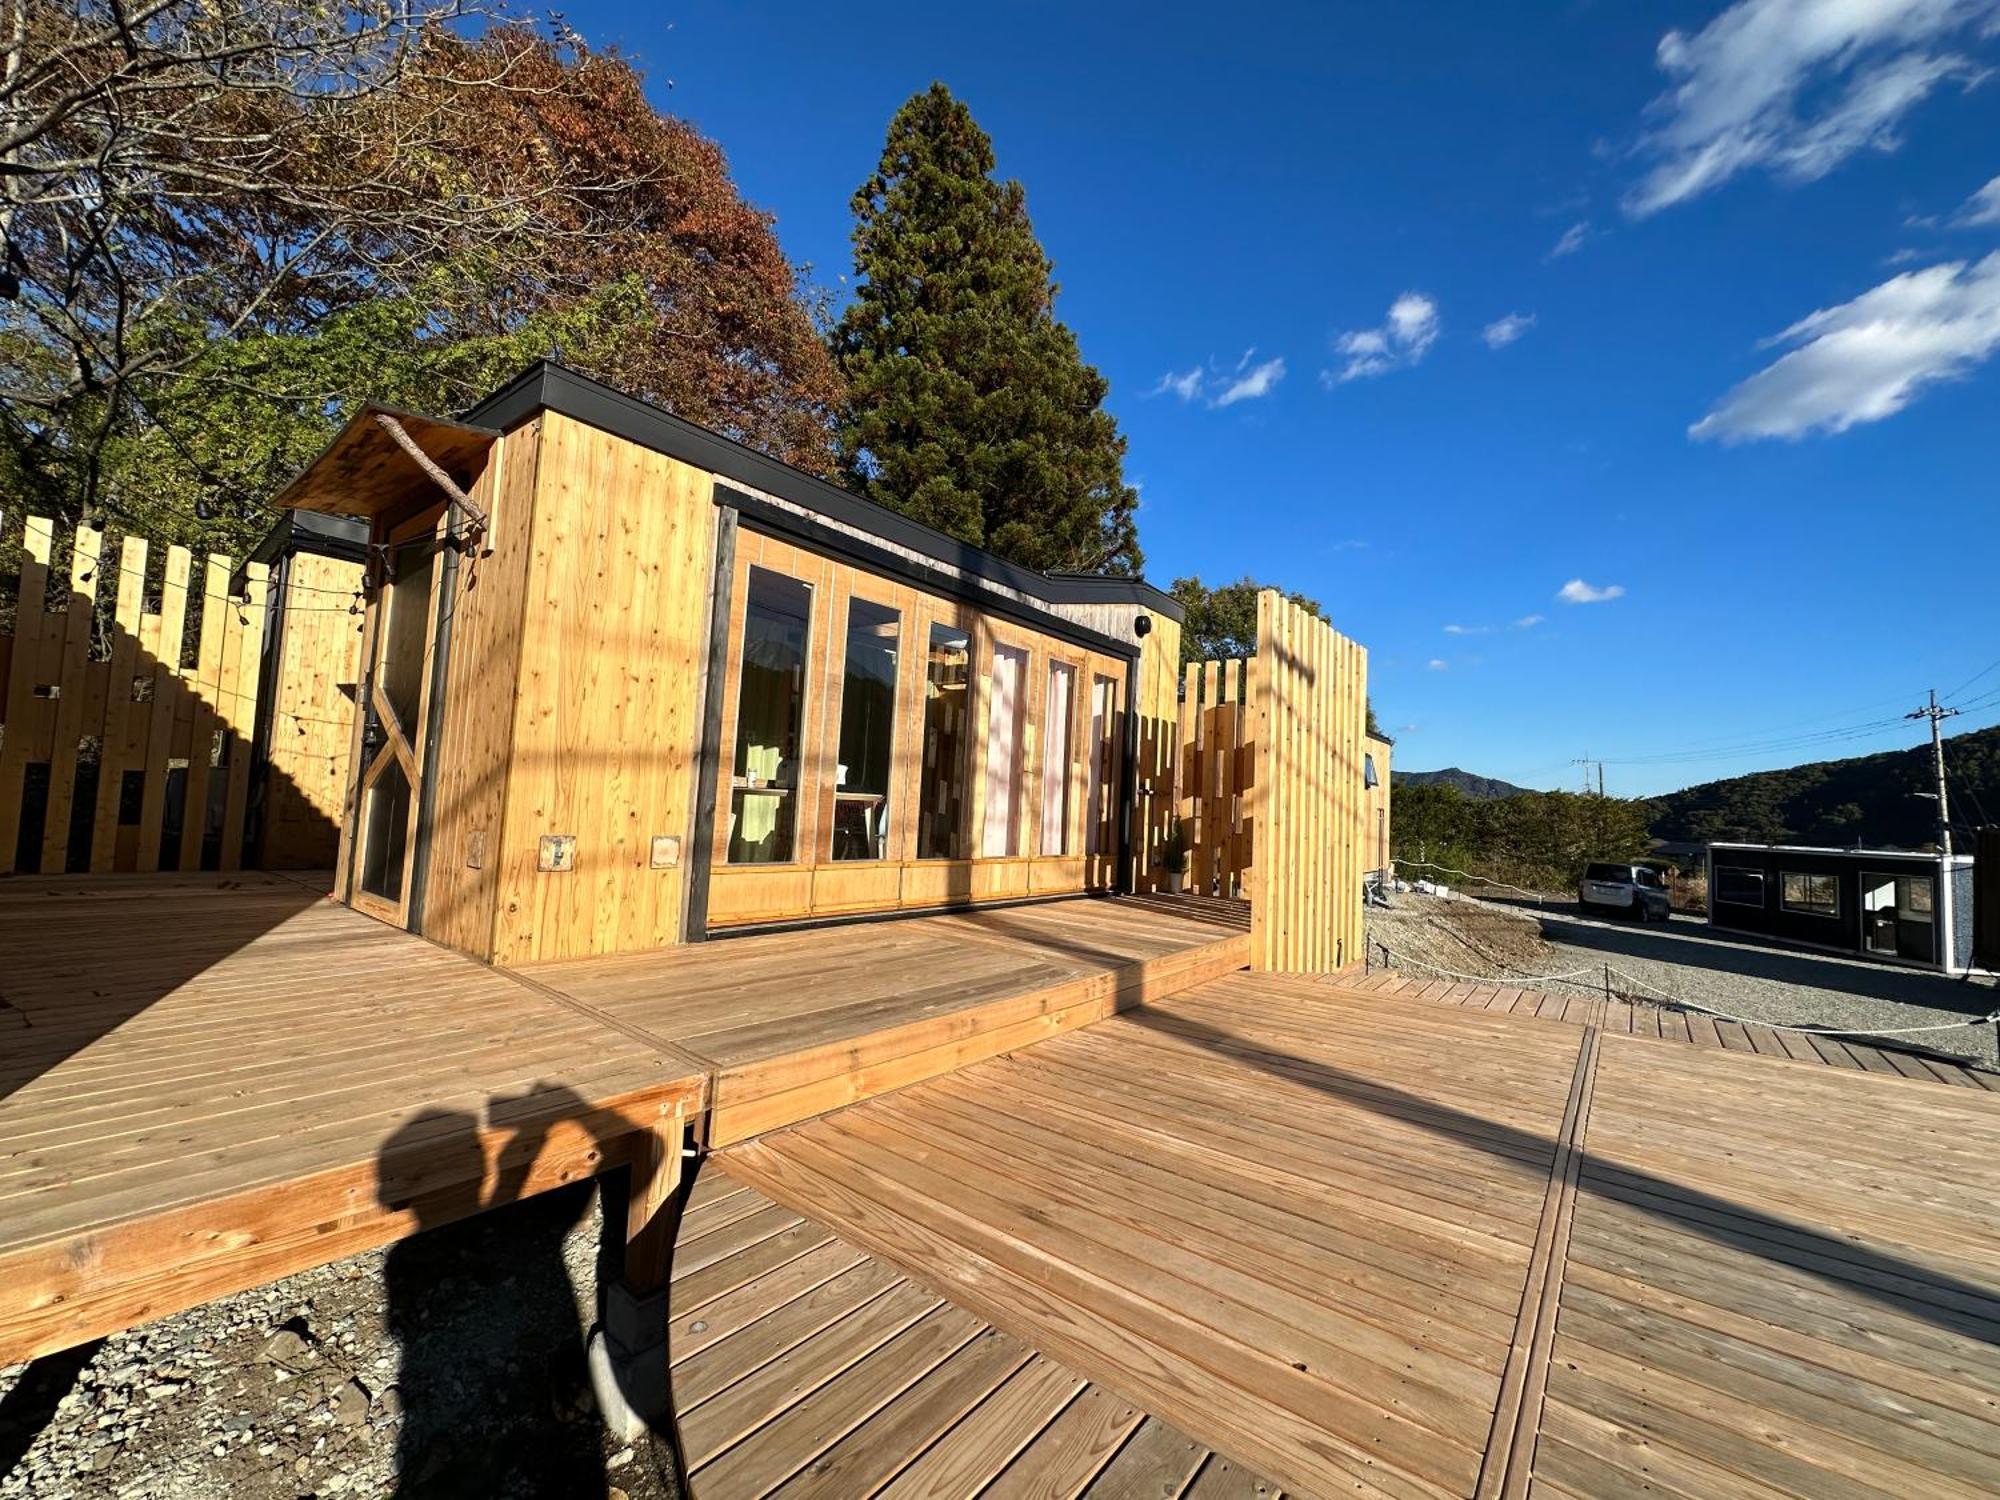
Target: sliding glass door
<point>1006,703</point>
<point>770,708</point>
<point>941,808</point>
<point>867,732</point>
<point>1057,733</point>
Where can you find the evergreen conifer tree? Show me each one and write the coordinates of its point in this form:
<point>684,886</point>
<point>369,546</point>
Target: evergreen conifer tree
<point>970,407</point>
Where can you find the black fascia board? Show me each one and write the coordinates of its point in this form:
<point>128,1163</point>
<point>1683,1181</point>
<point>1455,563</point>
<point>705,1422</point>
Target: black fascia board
<point>544,385</point>
<point>318,532</point>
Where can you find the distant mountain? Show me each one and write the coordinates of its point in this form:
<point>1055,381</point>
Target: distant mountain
<point>1875,800</point>
<point>1465,781</point>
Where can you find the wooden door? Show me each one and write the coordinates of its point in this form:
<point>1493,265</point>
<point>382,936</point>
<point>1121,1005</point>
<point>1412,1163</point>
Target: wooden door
<point>395,706</point>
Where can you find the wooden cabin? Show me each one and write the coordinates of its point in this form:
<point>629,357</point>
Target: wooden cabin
<point>641,684</point>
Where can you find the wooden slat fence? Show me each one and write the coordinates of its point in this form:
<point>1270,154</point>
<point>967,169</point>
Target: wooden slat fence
<point>114,756</point>
<point>1308,804</point>
<point>1217,766</point>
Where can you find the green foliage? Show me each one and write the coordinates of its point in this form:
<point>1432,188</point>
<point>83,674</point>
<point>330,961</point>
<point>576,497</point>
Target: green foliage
<point>1174,849</point>
<point>970,407</point>
<point>1540,840</point>
<point>1878,799</point>
<point>1222,622</point>
<point>255,410</point>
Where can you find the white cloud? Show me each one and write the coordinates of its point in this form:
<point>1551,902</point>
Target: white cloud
<point>1249,384</point>
<point>1437,664</point>
<point>1571,241</point>
<point>1867,359</point>
<point>1219,387</point>
<point>1982,208</point>
<point>1796,87</point>
<point>1408,728</point>
<point>1468,630</point>
<point>1351,544</point>
<point>1528,622</point>
<point>1503,331</point>
<point>1404,338</point>
<point>1576,591</point>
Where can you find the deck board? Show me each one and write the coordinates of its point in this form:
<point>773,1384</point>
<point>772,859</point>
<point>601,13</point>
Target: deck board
<point>208,1082</point>
<point>837,1374</point>
<point>794,1024</point>
<point>1364,1243</point>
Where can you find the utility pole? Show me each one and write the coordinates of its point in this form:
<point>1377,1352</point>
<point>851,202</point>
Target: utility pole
<point>1937,716</point>
<point>1600,778</point>
<point>1584,761</point>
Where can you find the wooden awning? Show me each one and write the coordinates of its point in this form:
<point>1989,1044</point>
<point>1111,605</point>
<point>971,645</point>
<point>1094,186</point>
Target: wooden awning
<point>364,471</point>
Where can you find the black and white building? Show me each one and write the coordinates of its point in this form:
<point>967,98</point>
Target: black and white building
<point>1892,904</point>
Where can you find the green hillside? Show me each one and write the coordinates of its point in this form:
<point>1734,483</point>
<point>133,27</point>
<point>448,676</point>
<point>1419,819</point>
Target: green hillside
<point>1869,799</point>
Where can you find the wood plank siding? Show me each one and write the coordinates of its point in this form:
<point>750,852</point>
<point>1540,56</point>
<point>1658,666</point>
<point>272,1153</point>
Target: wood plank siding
<point>309,709</point>
<point>1309,696</point>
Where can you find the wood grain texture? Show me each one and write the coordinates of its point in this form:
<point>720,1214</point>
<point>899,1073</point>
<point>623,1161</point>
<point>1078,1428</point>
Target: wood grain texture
<point>315,686</point>
<point>1370,1244</point>
<point>255,1080</point>
<point>833,1373</point>
<point>1309,700</point>
<point>794,1024</point>
<point>129,699</point>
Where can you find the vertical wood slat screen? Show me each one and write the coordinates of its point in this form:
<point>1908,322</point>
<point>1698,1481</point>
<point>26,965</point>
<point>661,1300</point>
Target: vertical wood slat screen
<point>1309,695</point>
<point>1217,766</point>
<point>170,745</point>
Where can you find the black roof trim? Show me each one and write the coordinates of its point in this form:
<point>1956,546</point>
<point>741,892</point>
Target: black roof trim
<point>319,532</point>
<point>548,385</point>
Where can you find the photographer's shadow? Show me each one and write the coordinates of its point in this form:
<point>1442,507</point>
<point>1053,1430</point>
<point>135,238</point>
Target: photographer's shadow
<point>495,1388</point>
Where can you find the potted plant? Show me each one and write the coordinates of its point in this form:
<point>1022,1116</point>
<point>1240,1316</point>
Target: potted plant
<point>1174,856</point>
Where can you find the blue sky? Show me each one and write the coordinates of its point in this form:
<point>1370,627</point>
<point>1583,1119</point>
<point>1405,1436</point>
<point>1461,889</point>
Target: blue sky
<point>1749,394</point>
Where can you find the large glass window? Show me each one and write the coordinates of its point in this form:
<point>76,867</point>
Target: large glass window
<point>1006,702</point>
<point>1056,735</point>
<point>1099,835</point>
<point>770,706</point>
<point>941,811</point>
<point>1736,886</point>
<point>867,724</point>
<point>1813,895</point>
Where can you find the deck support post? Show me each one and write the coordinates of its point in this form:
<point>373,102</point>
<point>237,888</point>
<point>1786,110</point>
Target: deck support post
<point>628,1350</point>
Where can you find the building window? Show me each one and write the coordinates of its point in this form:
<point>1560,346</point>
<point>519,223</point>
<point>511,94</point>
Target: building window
<point>1736,886</point>
<point>1057,729</point>
<point>1100,833</point>
<point>941,811</point>
<point>1368,776</point>
<point>770,706</point>
<point>1006,700</point>
<point>867,725</point>
<point>1813,895</point>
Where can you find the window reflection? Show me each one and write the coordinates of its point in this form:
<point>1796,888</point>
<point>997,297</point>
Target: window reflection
<point>867,725</point>
<point>763,801</point>
<point>941,807</point>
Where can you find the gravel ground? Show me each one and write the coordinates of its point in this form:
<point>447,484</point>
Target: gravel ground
<point>451,1364</point>
<point>1686,959</point>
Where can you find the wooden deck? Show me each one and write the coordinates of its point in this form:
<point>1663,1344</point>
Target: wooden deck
<point>210,1082</point>
<point>1673,1023</point>
<point>1362,1244</point>
<point>793,1024</point>
<point>802,1365</point>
